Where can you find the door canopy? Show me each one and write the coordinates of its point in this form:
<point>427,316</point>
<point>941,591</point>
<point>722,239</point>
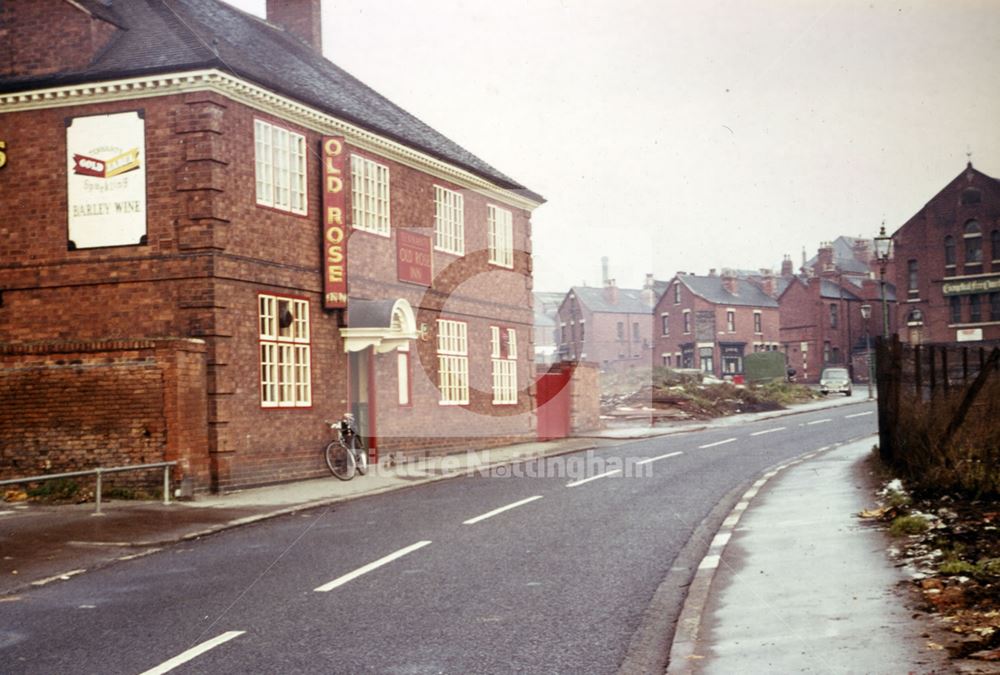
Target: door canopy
<point>383,325</point>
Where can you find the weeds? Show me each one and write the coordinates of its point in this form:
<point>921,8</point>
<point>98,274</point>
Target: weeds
<point>59,489</point>
<point>906,525</point>
<point>969,463</point>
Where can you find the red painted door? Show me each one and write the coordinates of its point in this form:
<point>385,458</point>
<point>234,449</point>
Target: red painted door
<point>553,391</point>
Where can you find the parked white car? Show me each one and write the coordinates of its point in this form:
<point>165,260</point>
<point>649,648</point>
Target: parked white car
<point>835,380</point>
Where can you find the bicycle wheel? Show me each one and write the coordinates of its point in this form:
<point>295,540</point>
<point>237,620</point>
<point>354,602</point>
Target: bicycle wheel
<point>340,461</point>
<point>360,454</point>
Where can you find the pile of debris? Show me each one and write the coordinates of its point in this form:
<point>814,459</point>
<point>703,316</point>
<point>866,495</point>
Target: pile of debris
<point>950,546</point>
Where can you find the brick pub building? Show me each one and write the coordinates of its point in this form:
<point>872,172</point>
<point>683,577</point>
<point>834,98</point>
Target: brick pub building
<point>948,264</point>
<point>214,239</point>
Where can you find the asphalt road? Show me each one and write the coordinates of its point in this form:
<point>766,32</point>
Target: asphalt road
<point>544,567</point>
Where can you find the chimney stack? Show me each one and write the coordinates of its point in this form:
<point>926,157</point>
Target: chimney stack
<point>862,250</point>
<point>301,18</point>
<point>729,281</point>
<point>786,266</point>
<point>767,283</point>
<point>611,291</point>
<point>648,291</point>
<point>824,260</point>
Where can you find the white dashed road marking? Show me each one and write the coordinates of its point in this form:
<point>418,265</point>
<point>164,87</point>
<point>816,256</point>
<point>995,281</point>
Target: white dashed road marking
<point>472,521</point>
<point>340,581</point>
<point>712,445</point>
<point>655,459</point>
<point>768,431</point>
<point>587,480</point>
<point>194,652</point>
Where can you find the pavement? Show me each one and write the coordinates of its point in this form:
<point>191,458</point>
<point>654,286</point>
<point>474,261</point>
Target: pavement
<point>792,582</point>
<point>795,582</point>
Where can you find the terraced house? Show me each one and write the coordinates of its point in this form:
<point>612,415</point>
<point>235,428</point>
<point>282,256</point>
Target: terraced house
<point>712,322</point>
<point>214,239</point>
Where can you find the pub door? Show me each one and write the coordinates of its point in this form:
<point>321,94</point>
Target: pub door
<point>362,384</point>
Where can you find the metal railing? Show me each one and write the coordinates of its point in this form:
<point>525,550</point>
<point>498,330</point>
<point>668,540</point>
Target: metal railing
<point>99,472</point>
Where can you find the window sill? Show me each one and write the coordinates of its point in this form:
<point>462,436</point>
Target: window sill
<point>278,209</point>
<point>976,324</point>
<point>386,235</point>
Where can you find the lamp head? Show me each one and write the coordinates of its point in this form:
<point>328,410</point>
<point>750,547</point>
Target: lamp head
<point>883,245</point>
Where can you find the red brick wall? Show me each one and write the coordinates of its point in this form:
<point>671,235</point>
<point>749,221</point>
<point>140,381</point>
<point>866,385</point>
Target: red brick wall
<point>81,405</point>
<point>62,24</point>
<point>805,318</point>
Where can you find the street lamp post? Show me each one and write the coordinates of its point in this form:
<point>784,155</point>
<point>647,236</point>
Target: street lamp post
<point>883,246</point>
<point>866,312</point>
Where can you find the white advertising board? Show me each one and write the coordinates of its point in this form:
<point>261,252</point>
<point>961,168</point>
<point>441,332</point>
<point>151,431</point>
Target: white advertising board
<point>969,334</point>
<point>106,180</point>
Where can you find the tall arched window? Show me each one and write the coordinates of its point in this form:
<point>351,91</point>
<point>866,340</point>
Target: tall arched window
<point>995,248</point>
<point>973,244</point>
<point>913,277</point>
<point>949,253</point>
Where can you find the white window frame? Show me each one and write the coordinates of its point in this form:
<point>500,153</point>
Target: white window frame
<point>405,395</point>
<point>280,168</point>
<point>758,323</point>
<point>687,321</point>
<point>453,361</point>
<point>449,221</point>
<point>370,196</point>
<point>500,230</point>
<point>665,324</point>
<point>285,365</point>
<point>504,366</point>
<point>730,320</point>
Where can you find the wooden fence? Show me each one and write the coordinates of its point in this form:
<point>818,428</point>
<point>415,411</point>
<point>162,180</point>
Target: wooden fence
<point>930,395</point>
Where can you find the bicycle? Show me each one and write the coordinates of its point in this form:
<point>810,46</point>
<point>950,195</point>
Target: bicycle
<point>347,454</point>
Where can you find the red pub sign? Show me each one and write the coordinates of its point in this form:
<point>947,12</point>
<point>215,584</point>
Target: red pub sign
<point>413,257</point>
<point>334,227</point>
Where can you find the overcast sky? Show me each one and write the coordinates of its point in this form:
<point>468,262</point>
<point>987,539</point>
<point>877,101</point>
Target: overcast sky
<point>691,135</point>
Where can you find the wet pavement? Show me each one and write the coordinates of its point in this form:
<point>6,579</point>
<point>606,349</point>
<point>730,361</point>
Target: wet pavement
<point>797,583</point>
